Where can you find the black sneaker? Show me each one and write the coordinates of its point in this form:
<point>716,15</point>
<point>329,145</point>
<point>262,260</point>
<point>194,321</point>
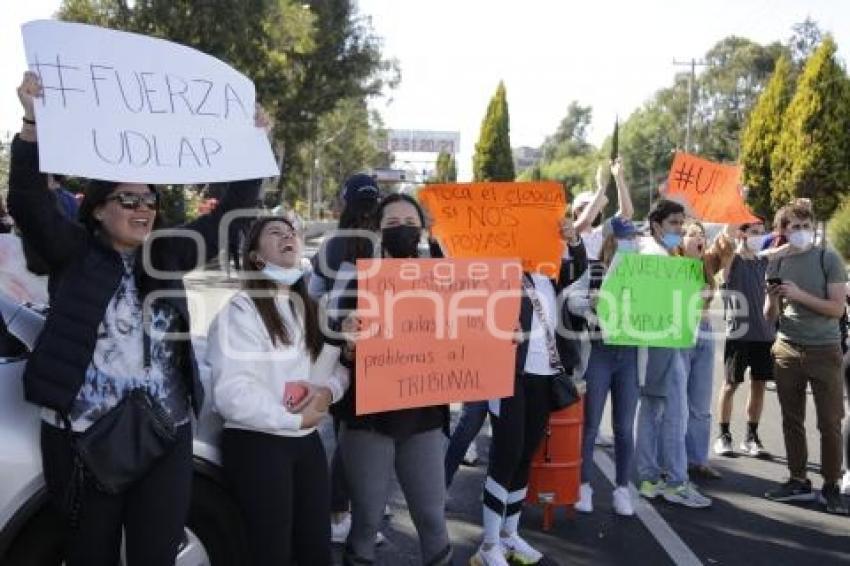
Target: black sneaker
<point>831,497</point>
<point>792,490</point>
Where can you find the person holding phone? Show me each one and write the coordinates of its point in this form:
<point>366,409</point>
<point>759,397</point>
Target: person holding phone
<point>273,379</point>
<point>808,301</point>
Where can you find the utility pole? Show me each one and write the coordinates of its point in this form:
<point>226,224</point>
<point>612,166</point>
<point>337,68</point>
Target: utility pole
<point>691,80</point>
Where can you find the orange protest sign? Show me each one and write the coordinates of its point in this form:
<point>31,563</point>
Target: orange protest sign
<point>435,331</point>
<point>506,220</point>
<point>711,190</point>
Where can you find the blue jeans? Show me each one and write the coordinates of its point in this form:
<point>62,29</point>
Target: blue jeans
<point>614,369</point>
<point>468,426</point>
<point>699,367</point>
<point>662,419</point>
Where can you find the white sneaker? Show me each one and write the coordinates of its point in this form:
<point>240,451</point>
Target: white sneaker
<point>845,483</point>
<point>471,456</point>
<point>623,502</point>
<point>388,512</point>
<point>520,551</point>
<point>495,556</point>
<point>340,530</point>
<point>723,445</point>
<point>380,539</point>
<point>585,499</point>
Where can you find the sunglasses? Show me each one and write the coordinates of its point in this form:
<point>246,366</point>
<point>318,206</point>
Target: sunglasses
<point>132,201</point>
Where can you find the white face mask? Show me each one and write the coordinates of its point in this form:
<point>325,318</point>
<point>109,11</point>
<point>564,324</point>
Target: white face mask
<point>627,245</point>
<point>755,243</point>
<point>801,239</point>
<point>282,275</point>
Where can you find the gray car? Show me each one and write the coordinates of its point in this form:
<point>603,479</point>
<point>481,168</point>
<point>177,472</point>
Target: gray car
<point>31,532</point>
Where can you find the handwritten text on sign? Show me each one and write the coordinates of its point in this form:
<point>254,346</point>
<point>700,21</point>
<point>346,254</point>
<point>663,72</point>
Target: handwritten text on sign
<point>650,300</point>
<point>438,331</point>
<point>506,220</point>
<point>711,190</point>
<point>125,107</point>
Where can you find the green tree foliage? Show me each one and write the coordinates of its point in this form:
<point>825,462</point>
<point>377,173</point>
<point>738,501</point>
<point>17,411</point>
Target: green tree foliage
<point>345,146</point>
<point>570,138</point>
<point>811,158</point>
<point>804,40</point>
<point>493,160</point>
<point>761,136</point>
<point>568,157</point>
<point>838,229</point>
<point>303,56</point>
<point>445,170</point>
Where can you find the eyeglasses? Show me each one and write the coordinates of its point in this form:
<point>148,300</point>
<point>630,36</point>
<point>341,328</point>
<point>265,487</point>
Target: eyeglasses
<point>132,201</point>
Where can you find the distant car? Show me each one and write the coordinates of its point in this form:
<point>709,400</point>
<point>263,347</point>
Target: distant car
<point>31,532</point>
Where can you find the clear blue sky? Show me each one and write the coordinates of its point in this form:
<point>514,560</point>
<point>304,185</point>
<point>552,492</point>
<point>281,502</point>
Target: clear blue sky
<point>609,54</point>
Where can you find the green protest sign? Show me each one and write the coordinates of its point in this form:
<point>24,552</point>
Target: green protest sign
<point>651,300</point>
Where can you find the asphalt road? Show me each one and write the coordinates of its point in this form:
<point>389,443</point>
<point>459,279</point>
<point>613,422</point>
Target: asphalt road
<point>742,528</point>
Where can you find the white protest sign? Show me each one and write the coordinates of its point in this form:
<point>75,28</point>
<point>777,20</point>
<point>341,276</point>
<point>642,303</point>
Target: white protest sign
<point>125,107</point>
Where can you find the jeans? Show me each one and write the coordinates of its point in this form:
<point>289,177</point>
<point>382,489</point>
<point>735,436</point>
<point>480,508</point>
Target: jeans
<point>662,419</point>
<point>468,426</point>
<point>614,369</point>
<point>699,367</point>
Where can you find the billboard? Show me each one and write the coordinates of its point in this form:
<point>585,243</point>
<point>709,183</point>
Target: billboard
<point>421,141</point>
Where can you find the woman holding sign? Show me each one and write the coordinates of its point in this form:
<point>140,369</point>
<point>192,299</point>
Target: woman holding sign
<point>699,363</point>
<point>273,380</point>
<point>546,349</point>
<point>610,369</point>
<point>411,441</point>
<point>115,385</point>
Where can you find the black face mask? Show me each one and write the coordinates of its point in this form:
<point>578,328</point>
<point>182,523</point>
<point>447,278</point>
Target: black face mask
<point>401,241</point>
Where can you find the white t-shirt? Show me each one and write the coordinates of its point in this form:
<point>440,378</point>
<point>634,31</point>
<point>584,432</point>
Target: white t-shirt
<point>537,361</point>
<point>594,239</point>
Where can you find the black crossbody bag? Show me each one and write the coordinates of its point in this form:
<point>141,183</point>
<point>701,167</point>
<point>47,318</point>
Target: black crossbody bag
<point>564,390</point>
<point>122,445</point>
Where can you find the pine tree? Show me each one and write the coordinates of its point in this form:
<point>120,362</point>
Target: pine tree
<point>451,169</point>
<point>445,170</point>
<point>493,160</point>
<point>761,136</point>
<point>812,158</point>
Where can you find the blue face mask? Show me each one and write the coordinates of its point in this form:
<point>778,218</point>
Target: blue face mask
<point>671,240</point>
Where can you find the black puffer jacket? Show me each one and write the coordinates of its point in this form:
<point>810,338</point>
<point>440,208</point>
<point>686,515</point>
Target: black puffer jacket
<point>85,272</point>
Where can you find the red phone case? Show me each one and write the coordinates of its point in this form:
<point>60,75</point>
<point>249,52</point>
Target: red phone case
<point>293,393</point>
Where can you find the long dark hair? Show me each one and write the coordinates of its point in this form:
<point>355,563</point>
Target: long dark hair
<point>264,291</point>
<point>358,214</point>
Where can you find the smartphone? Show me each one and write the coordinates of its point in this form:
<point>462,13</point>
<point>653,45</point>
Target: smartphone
<point>293,393</point>
<point>774,281</point>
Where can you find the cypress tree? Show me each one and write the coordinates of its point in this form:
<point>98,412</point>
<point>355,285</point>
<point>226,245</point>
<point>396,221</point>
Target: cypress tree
<point>812,158</point>
<point>761,136</point>
<point>493,160</point>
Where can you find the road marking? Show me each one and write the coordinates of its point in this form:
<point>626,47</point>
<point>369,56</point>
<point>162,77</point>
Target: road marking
<point>673,545</point>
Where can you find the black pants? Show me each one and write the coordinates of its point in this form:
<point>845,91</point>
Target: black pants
<point>152,512</point>
<point>281,485</point>
<point>518,429</point>
<point>847,419</point>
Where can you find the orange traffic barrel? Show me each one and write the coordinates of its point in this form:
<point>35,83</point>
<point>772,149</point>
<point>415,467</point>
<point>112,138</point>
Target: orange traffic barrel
<point>556,467</point>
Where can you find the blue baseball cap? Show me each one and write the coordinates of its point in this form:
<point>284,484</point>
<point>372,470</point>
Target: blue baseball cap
<point>623,228</point>
<point>360,187</point>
